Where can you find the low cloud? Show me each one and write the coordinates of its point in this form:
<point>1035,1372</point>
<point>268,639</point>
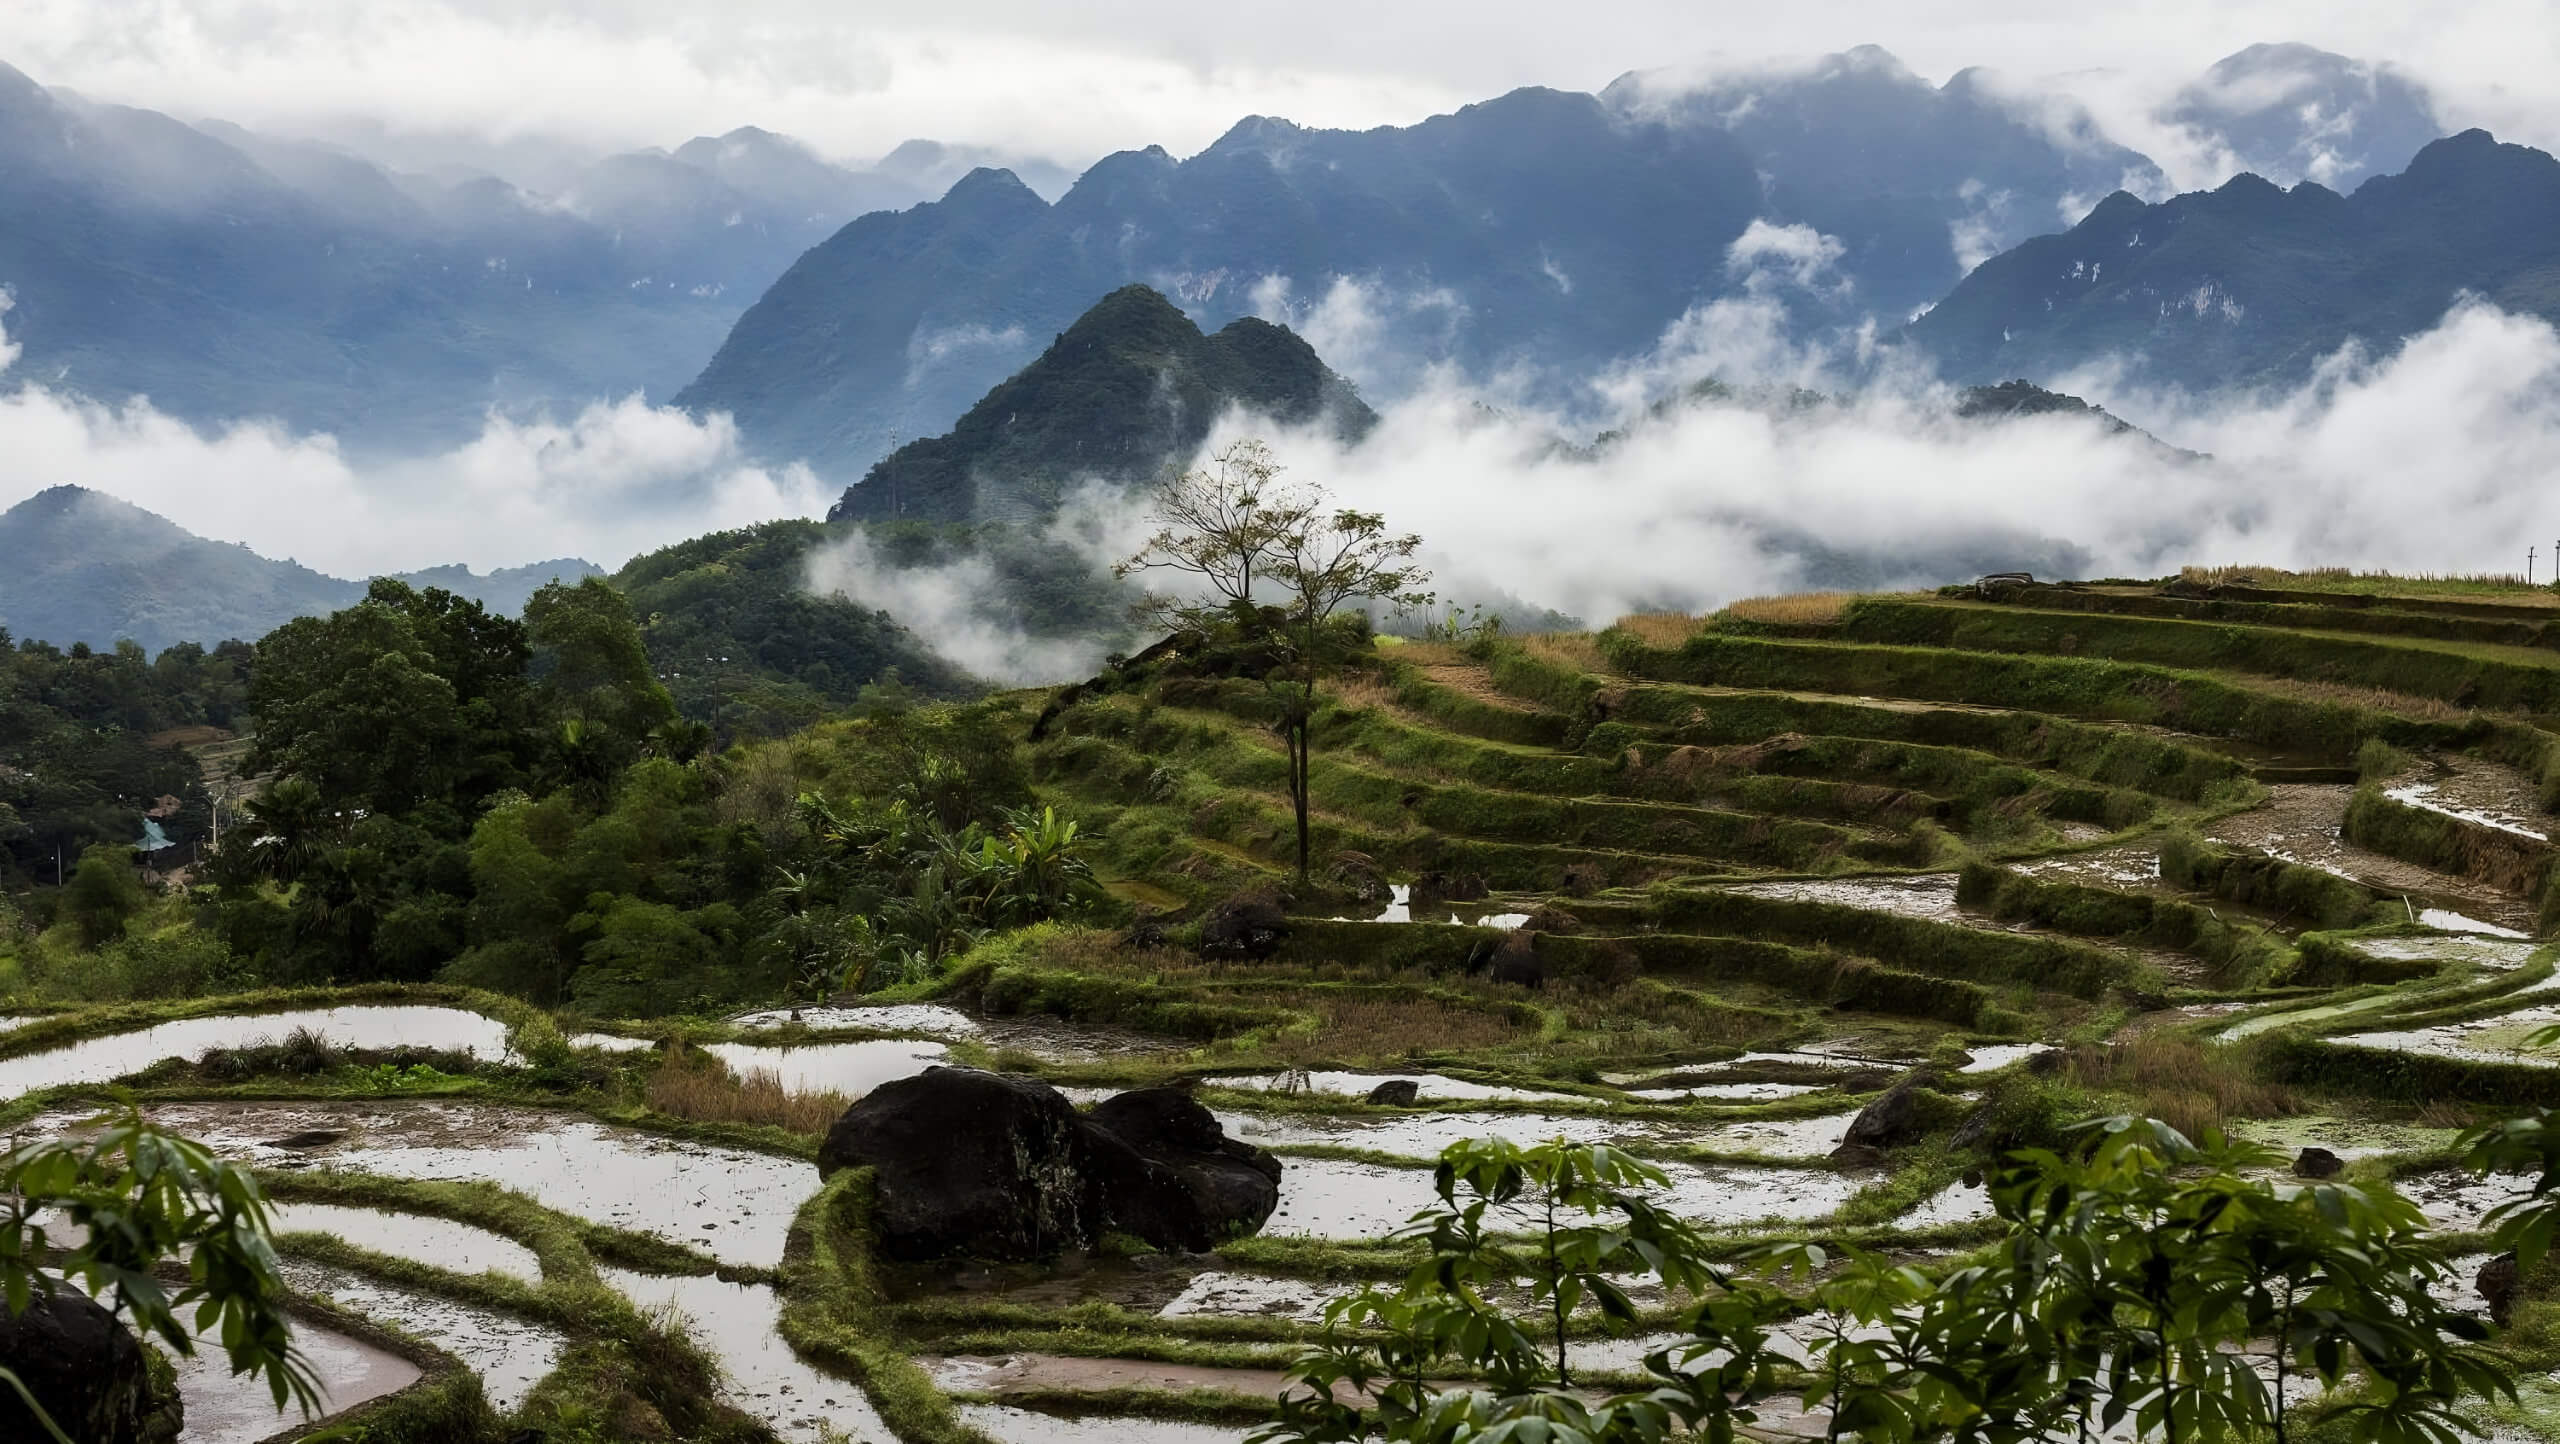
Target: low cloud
<point>2421,459</point>
<point>1767,258</point>
<point>617,479</point>
<point>960,605</point>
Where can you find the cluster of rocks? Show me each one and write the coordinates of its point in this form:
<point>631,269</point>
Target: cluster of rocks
<point>969,1164</point>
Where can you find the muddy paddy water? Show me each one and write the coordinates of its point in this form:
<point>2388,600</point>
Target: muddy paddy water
<point>1052,1039</point>
<point>104,1059</point>
<point>1333,1198</point>
<point>730,1203</point>
<point>1009,1425</point>
<point>509,1354</point>
<point>1422,1136</point>
<point>2301,823</point>
<point>1432,1087</point>
<point>852,1069</point>
<point>2476,791</point>
<point>225,1408</point>
<point>2499,1039</point>
<point>739,1324</point>
<point>421,1238</point>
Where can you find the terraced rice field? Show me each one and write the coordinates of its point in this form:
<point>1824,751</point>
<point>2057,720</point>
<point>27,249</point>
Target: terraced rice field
<point>2129,848</point>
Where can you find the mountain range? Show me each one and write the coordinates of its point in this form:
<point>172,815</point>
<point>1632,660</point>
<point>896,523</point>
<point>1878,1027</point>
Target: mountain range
<point>83,566</point>
<point>1543,235</point>
<point>390,288</point>
<point>228,274</point>
<point>2251,283</point>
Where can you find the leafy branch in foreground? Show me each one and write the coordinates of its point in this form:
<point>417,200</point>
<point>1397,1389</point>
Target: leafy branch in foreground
<point>2146,1285</point>
<point>118,1205</point>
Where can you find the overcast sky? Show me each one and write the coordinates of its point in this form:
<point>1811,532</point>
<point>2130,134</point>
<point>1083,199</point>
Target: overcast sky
<point>1075,79</point>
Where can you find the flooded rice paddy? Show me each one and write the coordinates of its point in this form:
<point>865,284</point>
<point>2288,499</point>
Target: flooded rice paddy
<point>2498,954</point>
<point>730,1203</point>
<point>1931,896</point>
<point>104,1059</point>
<point>227,1408</point>
<point>509,1354</point>
<point>2499,1039</point>
<point>2350,1139</point>
<point>1340,1199</point>
<point>421,1238</point>
<point>2477,791</point>
<point>739,1325</point>
<point>852,1069</point>
<point>2267,1022</point>
<point>1401,908</point>
<point>1433,1088</point>
<point>2301,823</point>
<point>1009,1425</point>
<point>1214,1294</point>
<point>1049,1039</point>
<point>1422,1136</point>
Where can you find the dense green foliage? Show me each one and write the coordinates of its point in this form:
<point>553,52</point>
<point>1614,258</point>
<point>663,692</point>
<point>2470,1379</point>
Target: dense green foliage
<point>736,633</point>
<point>2137,1278</point>
<point>84,750</point>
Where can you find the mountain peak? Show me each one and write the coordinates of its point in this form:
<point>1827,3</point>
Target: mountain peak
<point>988,183</point>
<point>1257,132</point>
<point>2292,112</point>
<point>1131,387</point>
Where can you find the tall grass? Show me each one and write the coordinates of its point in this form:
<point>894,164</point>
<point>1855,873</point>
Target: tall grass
<point>1660,629</point>
<point>1803,609</point>
<point>2184,1082</point>
<point>706,1092</point>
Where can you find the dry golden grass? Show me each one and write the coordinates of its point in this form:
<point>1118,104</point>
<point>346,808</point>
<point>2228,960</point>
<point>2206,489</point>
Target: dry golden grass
<point>2509,588</point>
<point>2181,1081</point>
<point>1364,692</point>
<point>2429,709</point>
<point>1804,609</point>
<point>1469,680</point>
<point>1579,650</point>
<point>710,1093</point>
<point>1660,629</point>
<point>1360,1027</point>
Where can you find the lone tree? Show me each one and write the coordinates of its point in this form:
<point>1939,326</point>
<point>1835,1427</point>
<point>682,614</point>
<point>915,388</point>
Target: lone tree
<point>1233,525</point>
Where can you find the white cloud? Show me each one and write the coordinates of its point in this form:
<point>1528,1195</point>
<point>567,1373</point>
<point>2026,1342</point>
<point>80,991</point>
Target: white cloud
<point>1766,257</point>
<point>2408,461</point>
<point>617,479</point>
<point>955,605</point>
<point>1078,80</point>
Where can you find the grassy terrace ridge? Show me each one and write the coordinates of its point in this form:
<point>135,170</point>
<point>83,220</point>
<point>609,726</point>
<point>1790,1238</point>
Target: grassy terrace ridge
<point>2307,611</point>
<point>2181,699</point>
<point>2460,673</point>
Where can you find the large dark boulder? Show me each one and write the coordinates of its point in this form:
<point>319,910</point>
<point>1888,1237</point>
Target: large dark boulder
<point>1192,1187</point>
<point>1396,1093</point>
<point>83,1366</point>
<point>2497,1282</point>
<point>969,1163</point>
<point>1895,1118</point>
<point>1515,960</point>
<point>1248,926</point>
<point>980,1165</point>
<point>2318,1163</point>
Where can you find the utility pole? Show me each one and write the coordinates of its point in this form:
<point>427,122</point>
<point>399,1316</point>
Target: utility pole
<point>2528,566</point>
